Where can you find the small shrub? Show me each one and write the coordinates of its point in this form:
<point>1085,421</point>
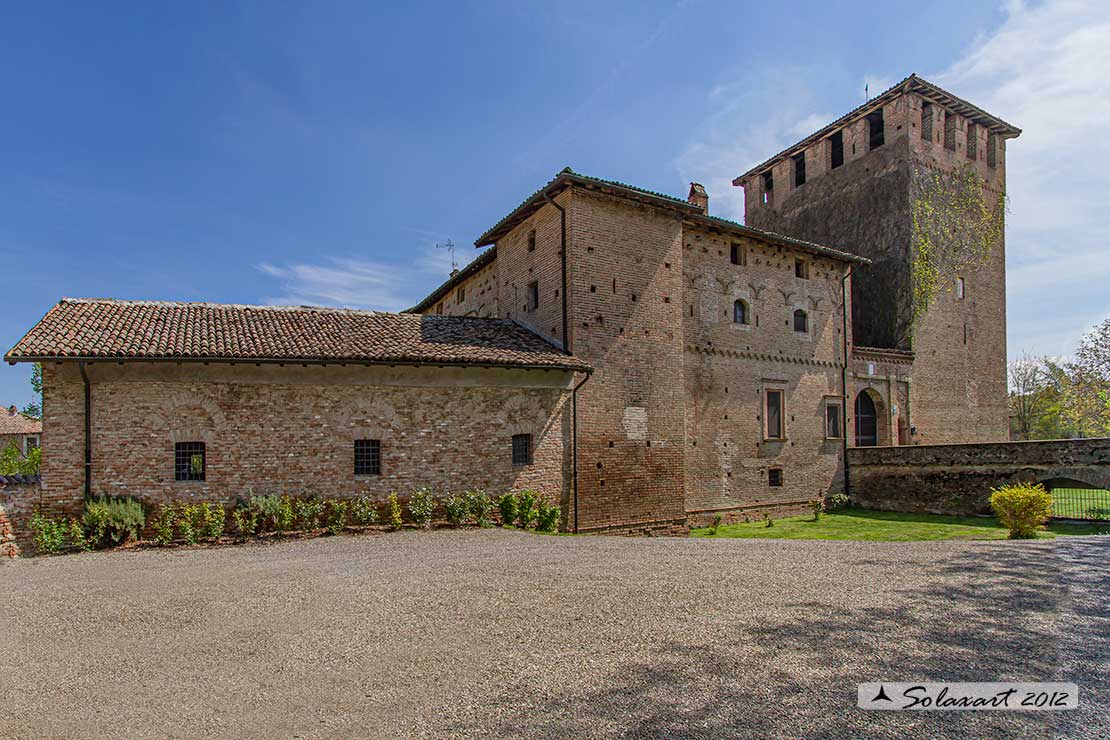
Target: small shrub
<point>817,506</point>
<point>284,515</point>
<point>189,523</point>
<point>547,516</point>
<point>836,502</point>
<point>1023,508</point>
<point>163,525</point>
<point>506,506</point>
<point>715,525</point>
<point>246,520</point>
<point>110,520</point>
<point>770,521</point>
<point>77,536</point>
<point>49,533</point>
<point>422,505</point>
<point>213,520</point>
<point>525,508</point>
<point>364,511</point>
<point>309,511</point>
<point>337,514</point>
<point>457,509</point>
<point>394,511</point>
<point>481,508</point>
<point>266,510</point>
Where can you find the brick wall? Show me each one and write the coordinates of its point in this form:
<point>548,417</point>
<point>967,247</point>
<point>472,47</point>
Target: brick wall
<point>728,367</point>
<point>284,430</point>
<point>17,502</point>
<point>957,479</point>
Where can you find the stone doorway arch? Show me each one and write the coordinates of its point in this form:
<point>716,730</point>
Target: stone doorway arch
<point>871,423</point>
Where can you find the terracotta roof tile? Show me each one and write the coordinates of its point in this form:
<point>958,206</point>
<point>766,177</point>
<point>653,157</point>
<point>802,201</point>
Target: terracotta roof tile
<point>17,423</point>
<point>157,330</point>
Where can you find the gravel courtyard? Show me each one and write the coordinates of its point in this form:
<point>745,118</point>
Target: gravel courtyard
<point>506,635</point>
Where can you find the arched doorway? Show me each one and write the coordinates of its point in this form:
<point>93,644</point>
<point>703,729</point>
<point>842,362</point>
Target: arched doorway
<point>867,421</point>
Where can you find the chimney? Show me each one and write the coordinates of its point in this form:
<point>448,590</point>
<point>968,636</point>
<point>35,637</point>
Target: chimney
<point>699,197</point>
<point>11,411</point>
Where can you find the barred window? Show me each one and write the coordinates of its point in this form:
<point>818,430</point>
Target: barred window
<point>188,461</point>
<point>368,457</point>
<point>522,450</point>
<point>774,477</point>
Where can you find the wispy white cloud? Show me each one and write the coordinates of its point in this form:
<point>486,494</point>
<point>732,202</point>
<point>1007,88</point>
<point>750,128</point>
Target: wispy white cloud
<point>358,283</point>
<point>1045,70</point>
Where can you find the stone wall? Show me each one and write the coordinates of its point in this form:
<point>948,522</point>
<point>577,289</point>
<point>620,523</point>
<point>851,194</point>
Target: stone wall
<point>957,479</point>
<point>19,496</point>
<point>271,429</point>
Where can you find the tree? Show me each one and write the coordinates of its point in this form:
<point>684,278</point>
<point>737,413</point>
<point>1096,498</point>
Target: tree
<point>1029,397</point>
<point>12,461</point>
<point>33,410</point>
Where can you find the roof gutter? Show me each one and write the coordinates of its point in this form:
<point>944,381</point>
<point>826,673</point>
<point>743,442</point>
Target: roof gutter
<point>844,380</point>
<point>298,361</point>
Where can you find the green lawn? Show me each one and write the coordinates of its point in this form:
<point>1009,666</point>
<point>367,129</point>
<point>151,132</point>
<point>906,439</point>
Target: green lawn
<point>1080,503</point>
<point>889,526</point>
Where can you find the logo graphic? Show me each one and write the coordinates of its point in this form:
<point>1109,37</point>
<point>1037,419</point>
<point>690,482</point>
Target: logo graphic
<point>967,697</point>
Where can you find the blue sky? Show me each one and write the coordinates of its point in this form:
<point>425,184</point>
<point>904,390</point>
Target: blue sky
<point>281,153</point>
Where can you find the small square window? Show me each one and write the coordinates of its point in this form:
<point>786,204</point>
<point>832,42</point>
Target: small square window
<point>774,477</point>
<point>29,443</point>
<point>188,461</point>
<point>738,254</point>
<point>801,269</point>
<point>522,450</point>
<point>368,457</point>
<point>832,420</point>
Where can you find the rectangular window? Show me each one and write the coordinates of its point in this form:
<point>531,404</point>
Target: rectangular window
<point>949,131</point>
<point>188,461</point>
<point>439,308</point>
<point>522,450</point>
<point>532,240</point>
<point>368,457</point>
<point>836,149</point>
<point>768,179</point>
<point>533,295</point>
<point>460,295</point>
<point>972,141</point>
<point>799,169</point>
<point>832,420</point>
<point>875,130</point>
<point>960,288</point>
<point>801,268</point>
<point>927,122</point>
<point>29,443</point>
<point>774,428</point>
<point>738,254</point>
<point>774,477</point>
<point>992,150</point>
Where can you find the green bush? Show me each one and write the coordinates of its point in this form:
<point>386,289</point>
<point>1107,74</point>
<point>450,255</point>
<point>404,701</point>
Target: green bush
<point>525,508</point>
<point>12,461</point>
<point>817,506</point>
<point>506,506</point>
<point>49,533</point>
<point>715,525</point>
<point>77,536</point>
<point>309,511</point>
<point>422,506</point>
<point>213,520</point>
<point>110,520</point>
<point>189,523</point>
<point>163,525</point>
<point>364,511</point>
<point>284,515</point>
<point>245,517</point>
<point>394,511</point>
<point>337,514</point>
<point>770,520</point>
<point>481,507</point>
<point>266,510</point>
<point>547,516</point>
<point>836,502</point>
<point>1023,508</point>
<point>457,509</point>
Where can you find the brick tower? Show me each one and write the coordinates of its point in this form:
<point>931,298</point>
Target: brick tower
<point>887,181</point>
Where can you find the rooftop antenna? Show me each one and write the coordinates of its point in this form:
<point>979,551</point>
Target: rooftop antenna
<point>866,92</point>
<point>450,247</point>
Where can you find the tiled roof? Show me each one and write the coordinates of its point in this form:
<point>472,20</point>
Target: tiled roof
<point>475,265</point>
<point>913,83</point>
<point>770,236</point>
<point>17,423</point>
<point>155,330</point>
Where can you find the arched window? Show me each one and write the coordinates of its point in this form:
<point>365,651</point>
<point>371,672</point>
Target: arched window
<point>801,321</point>
<point>739,312</point>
